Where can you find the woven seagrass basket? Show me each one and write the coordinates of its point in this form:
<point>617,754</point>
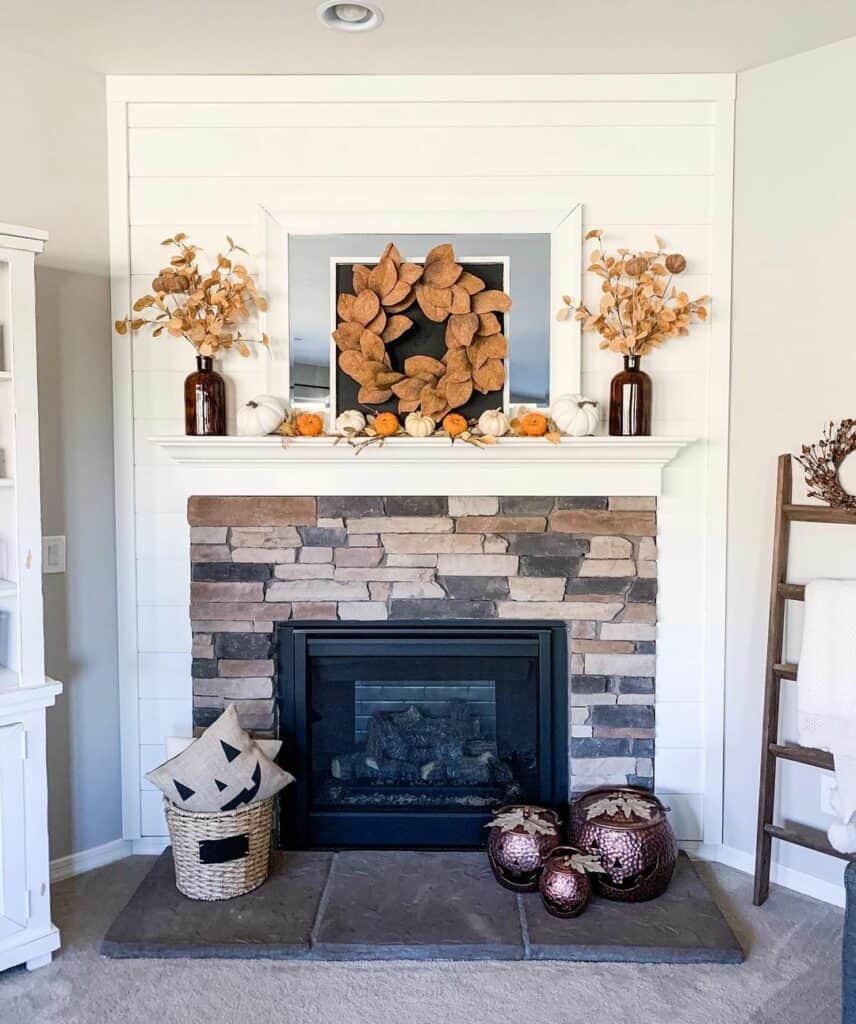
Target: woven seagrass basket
<point>223,854</point>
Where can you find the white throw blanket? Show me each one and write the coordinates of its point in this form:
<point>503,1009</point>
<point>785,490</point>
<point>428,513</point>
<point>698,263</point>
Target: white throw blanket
<point>826,689</point>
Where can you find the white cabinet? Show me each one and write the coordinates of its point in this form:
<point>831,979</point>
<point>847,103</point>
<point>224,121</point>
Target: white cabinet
<point>26,932</point>
<point>14,912</point>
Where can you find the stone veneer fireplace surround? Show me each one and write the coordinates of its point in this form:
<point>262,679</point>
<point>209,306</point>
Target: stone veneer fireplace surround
<point>589,562</point>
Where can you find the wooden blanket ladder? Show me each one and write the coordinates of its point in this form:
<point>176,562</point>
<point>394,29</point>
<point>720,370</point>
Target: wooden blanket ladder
<point>777,670</point>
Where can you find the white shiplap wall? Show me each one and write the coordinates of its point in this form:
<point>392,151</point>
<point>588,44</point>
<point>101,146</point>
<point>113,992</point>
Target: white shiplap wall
<point>642,155</point>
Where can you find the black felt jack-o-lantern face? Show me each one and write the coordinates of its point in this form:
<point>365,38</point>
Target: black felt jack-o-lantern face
<point>240,783</point>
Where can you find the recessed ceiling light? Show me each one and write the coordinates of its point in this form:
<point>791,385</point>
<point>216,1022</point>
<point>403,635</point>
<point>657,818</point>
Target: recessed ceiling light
<point>347,17</point>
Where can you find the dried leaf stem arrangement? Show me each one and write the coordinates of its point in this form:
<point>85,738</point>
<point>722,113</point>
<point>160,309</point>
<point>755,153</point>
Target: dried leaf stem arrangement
<point>640,307</point>
<point>204,309</point>
<point>372,318</point>
<point>822,461</point>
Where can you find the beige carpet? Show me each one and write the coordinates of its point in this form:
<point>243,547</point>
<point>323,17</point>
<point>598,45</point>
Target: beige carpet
<point>792,976</point>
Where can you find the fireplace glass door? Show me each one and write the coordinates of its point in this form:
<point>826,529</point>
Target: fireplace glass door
<point>412,738</point>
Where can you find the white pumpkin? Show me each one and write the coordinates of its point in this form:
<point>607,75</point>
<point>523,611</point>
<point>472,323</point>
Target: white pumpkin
<point>261,416</point>
<point>350,420</point>
<point>418,425</point>
<point>575,415</point>
<point>494,423</point>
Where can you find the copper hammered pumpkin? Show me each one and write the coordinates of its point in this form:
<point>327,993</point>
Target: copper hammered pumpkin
<point>309,424</point>
<point>386,424</point>
<point>533,424</point>
<point>454,424</point>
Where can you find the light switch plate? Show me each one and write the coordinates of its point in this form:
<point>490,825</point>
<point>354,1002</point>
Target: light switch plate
<point>827,784</point>
<point>53,554</point>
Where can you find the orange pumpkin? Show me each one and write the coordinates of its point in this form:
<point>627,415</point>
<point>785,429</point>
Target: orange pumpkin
<point>309,424</point>
<point>533,424</point>
<point>386,424</point>
<point>454,424</point>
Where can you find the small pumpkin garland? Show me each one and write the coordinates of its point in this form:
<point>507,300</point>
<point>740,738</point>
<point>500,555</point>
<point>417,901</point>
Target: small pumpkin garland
<point>570,415</point>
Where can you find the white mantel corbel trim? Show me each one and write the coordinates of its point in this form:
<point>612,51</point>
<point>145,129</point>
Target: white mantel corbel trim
<point>575,466</point>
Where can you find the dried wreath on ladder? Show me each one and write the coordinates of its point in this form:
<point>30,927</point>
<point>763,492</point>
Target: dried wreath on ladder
<point>372,318</point>
<point>822,462</point>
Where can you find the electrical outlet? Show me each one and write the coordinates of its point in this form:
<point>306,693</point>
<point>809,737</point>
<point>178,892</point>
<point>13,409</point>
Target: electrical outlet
<point>53,554</point>
<point>827,784</point>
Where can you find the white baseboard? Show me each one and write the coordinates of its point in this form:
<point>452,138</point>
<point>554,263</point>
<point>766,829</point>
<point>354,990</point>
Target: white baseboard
<point>85,860</point>
<point>798,881</point>
<point>149,845</point>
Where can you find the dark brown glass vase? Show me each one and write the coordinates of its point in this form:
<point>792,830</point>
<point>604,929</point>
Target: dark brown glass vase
<point>204,401</point>
<point>630,401</point>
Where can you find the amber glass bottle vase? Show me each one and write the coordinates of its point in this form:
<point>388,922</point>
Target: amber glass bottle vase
<point>630,401</point>
<point>204,401</point>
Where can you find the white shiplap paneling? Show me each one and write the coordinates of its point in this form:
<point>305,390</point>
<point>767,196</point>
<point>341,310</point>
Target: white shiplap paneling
<point>632,151</point>
<point>608,197</point>
<point>400,115</point>
<point>642,155</point>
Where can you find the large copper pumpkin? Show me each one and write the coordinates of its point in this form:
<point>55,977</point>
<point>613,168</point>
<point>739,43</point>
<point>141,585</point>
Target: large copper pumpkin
<point>565,886</point>
<point>519,841</point>
<point>627,830</point>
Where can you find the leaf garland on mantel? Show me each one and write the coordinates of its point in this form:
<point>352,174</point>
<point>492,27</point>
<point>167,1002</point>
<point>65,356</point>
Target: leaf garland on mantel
<point>372,318</point>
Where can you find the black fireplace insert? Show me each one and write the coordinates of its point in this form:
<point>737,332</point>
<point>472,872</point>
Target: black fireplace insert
<point>409,734</point>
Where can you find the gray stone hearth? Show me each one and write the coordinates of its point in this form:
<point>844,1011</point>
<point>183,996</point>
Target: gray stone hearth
<point>588,561</point>
<point>403,905</point>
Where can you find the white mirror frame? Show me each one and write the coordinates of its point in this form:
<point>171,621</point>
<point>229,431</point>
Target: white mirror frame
<point>563,226</point>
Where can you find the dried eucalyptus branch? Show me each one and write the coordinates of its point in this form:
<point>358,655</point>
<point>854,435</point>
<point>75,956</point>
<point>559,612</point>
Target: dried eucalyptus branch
<point>204,309</point>
<point>640,307</point>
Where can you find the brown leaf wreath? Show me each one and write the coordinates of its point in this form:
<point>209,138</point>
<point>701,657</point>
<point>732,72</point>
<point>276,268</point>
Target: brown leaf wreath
<point>372,318</point>
<point>822,462</point>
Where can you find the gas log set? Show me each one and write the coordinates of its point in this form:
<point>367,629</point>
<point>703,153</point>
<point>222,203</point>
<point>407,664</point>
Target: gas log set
<point>412,749</point>
<point>620,844</point>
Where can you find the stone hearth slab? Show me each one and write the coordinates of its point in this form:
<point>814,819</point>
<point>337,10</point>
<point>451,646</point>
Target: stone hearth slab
<point>684,926</point>
<point>400,905</point>
<point>386,905</point>
<point>272,922</point>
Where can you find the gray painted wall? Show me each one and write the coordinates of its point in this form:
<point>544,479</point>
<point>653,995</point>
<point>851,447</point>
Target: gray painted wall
<point>53,175</point>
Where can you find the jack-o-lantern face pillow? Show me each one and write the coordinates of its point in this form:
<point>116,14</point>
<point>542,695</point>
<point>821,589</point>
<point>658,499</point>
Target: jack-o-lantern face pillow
<point>221,771</point>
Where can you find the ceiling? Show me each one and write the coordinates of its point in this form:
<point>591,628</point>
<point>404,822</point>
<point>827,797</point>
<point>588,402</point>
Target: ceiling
<point>424,36</point>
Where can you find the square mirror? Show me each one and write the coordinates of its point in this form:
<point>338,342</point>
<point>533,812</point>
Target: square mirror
<point>533,256</point>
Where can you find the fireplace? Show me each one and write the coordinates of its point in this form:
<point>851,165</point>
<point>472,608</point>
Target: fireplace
<point>368,565</point>
<point>409,734</point>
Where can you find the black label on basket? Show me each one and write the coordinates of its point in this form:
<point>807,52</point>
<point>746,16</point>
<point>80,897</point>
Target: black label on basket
<point>221,851</point>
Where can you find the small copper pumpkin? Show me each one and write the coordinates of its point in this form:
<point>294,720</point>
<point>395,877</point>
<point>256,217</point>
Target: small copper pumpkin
<point>627,830</point>
<point>565,886</point>
<point>521,837</point>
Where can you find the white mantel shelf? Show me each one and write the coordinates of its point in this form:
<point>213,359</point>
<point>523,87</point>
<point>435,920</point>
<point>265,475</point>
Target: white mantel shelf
<point>518,465</point>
